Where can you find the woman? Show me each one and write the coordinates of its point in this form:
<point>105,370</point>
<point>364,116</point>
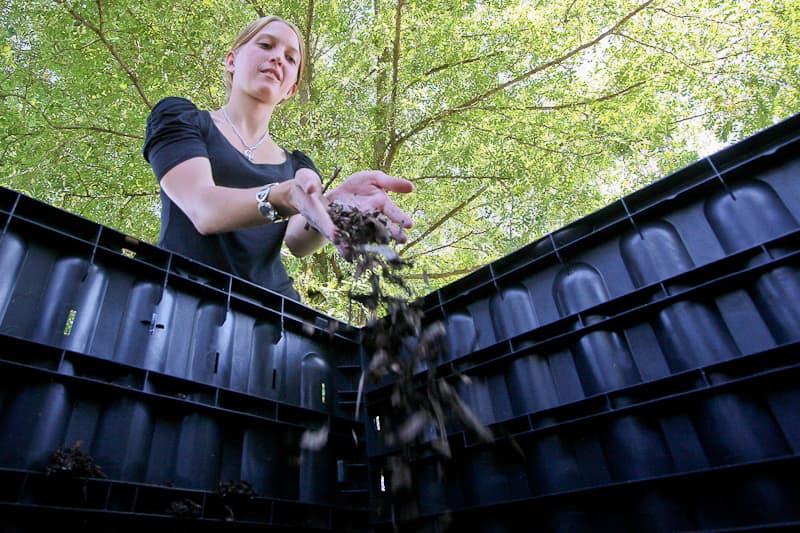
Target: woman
<point>230,195</point>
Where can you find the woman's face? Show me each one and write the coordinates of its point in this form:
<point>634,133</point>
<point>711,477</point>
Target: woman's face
<point>266,66</point>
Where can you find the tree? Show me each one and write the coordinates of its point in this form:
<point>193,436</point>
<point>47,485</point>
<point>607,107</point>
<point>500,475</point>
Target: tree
<point>513,118</point>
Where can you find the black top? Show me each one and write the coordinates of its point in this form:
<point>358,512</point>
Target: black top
<point>177,131</point>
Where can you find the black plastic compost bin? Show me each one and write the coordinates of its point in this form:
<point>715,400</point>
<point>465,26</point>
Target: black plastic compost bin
<point>639,369</point>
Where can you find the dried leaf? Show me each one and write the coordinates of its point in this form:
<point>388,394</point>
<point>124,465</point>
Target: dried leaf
<point>360,392</point>
<point>333,327</point>
<point>387,252</point>
<point>412,427</point>
<point>378,365</point>
<point>431,342</point>
<point>464,413</point>
<point>401,472</point>
<point>315,440</point>
<point>442,445</point>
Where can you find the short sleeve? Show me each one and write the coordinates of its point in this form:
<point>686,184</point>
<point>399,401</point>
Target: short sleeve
<point>175,132</point>
<point>301,160</point>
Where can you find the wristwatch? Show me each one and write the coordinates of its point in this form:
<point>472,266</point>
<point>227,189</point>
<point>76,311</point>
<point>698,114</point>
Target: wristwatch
<point>265,207</point>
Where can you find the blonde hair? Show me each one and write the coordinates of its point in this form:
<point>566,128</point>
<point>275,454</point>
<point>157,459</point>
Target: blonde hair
<point>251,30</point>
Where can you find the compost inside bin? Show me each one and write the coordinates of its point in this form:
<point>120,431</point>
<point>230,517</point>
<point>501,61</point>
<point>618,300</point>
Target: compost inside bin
<point>73,462</point>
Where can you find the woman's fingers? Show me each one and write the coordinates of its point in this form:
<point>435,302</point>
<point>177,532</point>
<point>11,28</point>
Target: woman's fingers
<point>367,190</point>
<point>311,205</point>
<point>396,214</point>
<point>390,183</point>
<point>309,181</point>
<point>398,220</point>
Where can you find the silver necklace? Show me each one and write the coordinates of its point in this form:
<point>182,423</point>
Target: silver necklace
<point>248,150</point>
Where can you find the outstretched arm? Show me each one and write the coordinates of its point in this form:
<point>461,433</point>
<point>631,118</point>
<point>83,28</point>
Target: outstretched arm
<point>216,209</point>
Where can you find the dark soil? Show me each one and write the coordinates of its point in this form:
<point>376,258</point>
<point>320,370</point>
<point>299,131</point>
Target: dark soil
<point>73,462</point>
<point>236,496</point>
<point>184,508</point>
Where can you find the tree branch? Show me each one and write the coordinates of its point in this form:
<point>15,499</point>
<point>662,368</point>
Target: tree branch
<point>443,246</point>
<point>426,122</point>
<point>55,126</point>
<point>129,195</point>
<point>685,17</point>
<point>95,129</point>
<point>523,141</point>
<point>723,58</point>
<point>308,72</point>
<point>101,34</point>
<point>579,103</point>
<point>692,117</point>
<point>660,49</point>
<point>99,12</point>
<point>700,115</point>
<point>566,12</point>
<point>258,9</point>
<point>441,275</point>
<point>433,227</point>
<point>390,151</point>
<point>451,177</point>
<point>447,66</point>
<point>396,56</point>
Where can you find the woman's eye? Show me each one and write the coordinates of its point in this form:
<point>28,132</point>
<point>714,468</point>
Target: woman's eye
<point>291,59</point>
<point>266,46</point>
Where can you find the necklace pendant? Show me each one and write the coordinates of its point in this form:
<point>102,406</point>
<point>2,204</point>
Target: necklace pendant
<point>248,150</point>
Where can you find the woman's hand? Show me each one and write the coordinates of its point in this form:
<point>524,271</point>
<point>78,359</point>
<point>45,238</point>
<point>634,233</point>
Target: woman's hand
<point>306,196</point>
<point>367,190</point>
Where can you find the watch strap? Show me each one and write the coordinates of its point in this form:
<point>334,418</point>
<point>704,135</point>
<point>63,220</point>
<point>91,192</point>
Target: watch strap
<point>265,207</point>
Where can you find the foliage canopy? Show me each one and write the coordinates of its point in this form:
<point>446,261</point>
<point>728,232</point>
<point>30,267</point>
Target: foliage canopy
<point>512,117</point>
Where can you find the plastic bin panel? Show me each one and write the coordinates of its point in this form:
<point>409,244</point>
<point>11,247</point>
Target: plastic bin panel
<point>146,327</point>
<point>552,465</point>
<point>493,477</point>
<point>34,422</point>
<point>12,256</point>
<point>197,453</point>
<point>121,443</point>
<point>486,396</point>
<point>70,311</point>
<point>512,312</point>
<point>262,459</point>
<point>602,358</point>
<point>635,449</point>
<point>462,335</point>
<point>263,375</point>
<point>749,213</point>
<point>565,376</point>
<point>530,384</point>
<point>736,428</point>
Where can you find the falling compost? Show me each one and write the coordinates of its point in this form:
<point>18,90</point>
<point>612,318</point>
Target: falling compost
<point>399,345</point>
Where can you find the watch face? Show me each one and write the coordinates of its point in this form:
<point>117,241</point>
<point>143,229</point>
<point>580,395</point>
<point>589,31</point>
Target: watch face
<point>264,207</point>
<point>267,210</point>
